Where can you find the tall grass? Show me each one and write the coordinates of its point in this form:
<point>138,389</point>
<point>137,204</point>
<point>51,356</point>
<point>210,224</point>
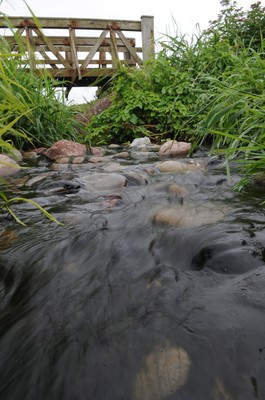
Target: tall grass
<point>30,111</point>
<point>235,122</point>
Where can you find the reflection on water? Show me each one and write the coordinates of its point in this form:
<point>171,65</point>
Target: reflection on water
<point>116,305</point>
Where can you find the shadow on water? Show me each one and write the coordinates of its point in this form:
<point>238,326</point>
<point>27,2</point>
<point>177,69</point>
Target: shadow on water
<point>112,306</point>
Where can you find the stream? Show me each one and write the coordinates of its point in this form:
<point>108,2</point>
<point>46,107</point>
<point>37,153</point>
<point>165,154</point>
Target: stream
<point>152,289</point>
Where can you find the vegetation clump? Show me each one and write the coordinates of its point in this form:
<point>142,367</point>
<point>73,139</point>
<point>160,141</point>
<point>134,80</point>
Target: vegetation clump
<point>208,88</point>
<point>31,113</point>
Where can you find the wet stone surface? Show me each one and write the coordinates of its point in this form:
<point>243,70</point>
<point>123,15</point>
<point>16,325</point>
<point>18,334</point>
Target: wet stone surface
<point>153,289</point>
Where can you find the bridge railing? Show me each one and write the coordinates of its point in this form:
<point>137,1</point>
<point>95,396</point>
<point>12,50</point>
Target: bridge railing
<point>80,50</point>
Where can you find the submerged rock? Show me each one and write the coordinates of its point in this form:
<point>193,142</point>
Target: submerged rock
<point>180,166</point>
<point>7,237</point>
<point>174,149</point>
<point>165,370</point>
<point>134,178</point>
<point>177,190</point>
<point>112,201</point>
<point>188,215</point>
<point>111,167</point>
<point>59,187</point>
<point>104,181</point>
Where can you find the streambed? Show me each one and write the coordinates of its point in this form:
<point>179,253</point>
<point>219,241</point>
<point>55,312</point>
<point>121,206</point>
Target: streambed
<point>153,289</point>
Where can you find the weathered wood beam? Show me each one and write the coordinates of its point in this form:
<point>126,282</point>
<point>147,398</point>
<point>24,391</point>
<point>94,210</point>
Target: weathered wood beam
<point>130,48</point>
<point>114,49</point>
<point>83,49</point>
<point>78,23</point>
<point>52,48</point>
<point>63,44</point>
<point>74,52</point>
<point>48,61</point>
<point>80,41</point>
<point>16,39</point>
<point>94,50</point>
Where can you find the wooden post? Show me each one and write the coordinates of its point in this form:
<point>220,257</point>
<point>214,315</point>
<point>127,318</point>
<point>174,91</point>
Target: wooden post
<point>147,28</point>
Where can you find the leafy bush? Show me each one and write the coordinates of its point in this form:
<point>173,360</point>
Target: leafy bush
<point>158,100</point>
<point>209,89</point>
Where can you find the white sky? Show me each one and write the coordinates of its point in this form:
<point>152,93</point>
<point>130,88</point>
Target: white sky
<point>185,13</point>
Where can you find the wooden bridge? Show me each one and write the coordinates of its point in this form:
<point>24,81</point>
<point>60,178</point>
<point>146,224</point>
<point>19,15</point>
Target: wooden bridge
<point>80,52</point>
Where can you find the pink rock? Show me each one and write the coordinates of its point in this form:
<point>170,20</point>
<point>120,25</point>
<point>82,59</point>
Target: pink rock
<point>97,151</point>
<point>174,149</point>
<point>65,148</point>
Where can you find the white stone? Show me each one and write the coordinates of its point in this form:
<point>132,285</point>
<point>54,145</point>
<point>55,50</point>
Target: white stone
<point>15,154</point>
<point>140,142</point>
<point>8,166</point>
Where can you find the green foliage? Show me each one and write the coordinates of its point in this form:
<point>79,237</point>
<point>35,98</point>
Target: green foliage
<point>209,89</point>
<point>236,120</point>
<point>205,89</point>
<point>157,100</point>
<point>165,98</point>
<point>30,113</point>
<point>239,26</point>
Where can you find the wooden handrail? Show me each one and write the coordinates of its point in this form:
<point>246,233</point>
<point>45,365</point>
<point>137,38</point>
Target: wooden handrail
<point>74,23</point>
<point>59,45</point>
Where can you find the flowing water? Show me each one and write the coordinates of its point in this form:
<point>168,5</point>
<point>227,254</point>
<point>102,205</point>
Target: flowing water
<point>120,303</point>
